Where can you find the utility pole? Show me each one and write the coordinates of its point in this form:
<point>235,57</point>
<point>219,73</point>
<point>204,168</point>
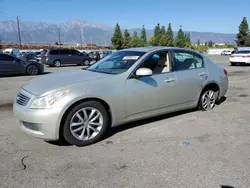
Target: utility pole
<point>18,29</point>
<point>59,37</point>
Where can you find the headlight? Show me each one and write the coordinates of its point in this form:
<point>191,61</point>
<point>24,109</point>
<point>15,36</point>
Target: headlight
<point>48,100</point>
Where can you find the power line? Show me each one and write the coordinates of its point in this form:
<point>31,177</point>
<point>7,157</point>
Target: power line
<point>18,29</point>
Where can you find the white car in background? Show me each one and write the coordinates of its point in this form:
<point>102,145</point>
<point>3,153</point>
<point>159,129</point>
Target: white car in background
<point>240,57</point>
<point>226,52</point>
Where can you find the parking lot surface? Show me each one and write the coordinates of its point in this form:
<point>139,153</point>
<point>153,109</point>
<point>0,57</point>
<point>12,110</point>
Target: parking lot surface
<point>186,149</point>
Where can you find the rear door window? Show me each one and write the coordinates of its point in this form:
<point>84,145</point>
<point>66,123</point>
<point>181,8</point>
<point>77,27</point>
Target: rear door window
<point>54,52</point>
<point>65,52</point>
<point>185,60</point>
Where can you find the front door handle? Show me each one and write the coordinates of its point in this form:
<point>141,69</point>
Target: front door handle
<point>168,80</point>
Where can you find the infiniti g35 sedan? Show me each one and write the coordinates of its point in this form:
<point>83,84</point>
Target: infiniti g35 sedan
<point>125,86</point>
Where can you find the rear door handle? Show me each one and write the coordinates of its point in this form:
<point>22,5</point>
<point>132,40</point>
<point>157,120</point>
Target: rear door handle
<point>202,74</point>
<point>168,80</point>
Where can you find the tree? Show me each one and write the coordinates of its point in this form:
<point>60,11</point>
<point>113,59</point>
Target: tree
<point>163,31</point>
<point>248,40</point>
<point>144,35</point>
<point>198,42</point>
<point>210,44</point>
<point>152,41</point>
<point>135,34</point>
<point>157,33</point>
<point>180,39</point>
<point>206,43</point>
<point>163,40</point>
<point>170,35</point>
<point>187,40</point>
<point>126,39</point>
<point>243,34</point>
<point>117,38</point>
<point>136,41</point>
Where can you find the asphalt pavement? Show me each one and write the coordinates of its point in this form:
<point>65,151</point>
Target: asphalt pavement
<point>185,149</point>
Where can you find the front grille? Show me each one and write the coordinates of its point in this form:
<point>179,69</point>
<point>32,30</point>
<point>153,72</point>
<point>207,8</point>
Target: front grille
<point>22,99</point>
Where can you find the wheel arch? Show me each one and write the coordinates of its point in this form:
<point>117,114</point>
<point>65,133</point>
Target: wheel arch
<point>104,103</point>
<point>212,84</point>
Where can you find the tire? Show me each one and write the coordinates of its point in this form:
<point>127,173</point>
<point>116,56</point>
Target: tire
<point>80,132</point>
<point>57,63</point>
<point>233,64</point>
<point>32,70</point>
<point>205,98</point>
<point>86,62</point>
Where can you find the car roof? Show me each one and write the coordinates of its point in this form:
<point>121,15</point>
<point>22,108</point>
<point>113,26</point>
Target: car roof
<point>153,48</point>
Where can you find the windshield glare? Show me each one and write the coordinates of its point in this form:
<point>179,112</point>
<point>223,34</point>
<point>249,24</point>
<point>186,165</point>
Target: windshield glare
<point>117,62</point>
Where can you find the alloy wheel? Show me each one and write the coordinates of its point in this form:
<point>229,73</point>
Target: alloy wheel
<point>208,100</point>
<point>32,70</point>
<point>86,123</point>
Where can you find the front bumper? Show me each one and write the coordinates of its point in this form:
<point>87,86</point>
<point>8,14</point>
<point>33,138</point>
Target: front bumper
<point>40,123</point>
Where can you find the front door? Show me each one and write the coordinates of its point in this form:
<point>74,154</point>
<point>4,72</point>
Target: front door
<point>190,74</point>
<point>151,95</point>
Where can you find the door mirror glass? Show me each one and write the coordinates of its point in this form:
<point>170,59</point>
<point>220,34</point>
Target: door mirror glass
<point>144,72</point>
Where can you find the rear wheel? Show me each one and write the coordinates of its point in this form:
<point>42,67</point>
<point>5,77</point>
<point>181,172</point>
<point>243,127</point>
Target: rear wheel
<point>57,63</point>
<point>86,123</point>
<point>32,70</point>
<point>207,99</point>
<point>233,64</point>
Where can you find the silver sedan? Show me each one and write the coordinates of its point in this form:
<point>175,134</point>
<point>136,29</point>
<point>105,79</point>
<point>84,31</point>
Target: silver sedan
<point>125,86</point>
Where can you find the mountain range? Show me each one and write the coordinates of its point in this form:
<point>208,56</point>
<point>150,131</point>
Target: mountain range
<point>76,31</point>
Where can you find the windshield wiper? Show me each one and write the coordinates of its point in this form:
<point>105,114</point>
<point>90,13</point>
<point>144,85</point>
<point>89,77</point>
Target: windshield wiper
<point>101,71</point>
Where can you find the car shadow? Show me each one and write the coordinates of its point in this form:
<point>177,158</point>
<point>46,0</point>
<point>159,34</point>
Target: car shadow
<point>222,99</point>
<point>226,186</point>
<point>114,130</point>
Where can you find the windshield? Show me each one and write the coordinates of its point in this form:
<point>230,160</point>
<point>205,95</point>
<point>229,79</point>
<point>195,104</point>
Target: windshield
<point>116,63</point>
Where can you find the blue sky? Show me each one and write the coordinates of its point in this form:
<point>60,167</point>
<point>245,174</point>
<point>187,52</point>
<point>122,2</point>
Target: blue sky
<point>222,16</point>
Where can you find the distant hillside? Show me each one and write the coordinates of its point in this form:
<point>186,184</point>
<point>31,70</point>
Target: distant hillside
<point>74,31</point>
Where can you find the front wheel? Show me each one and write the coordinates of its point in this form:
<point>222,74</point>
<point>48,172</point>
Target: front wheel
<point>207,100</point>
<point>86,62</point>
<point>32,70</point>
<point>86,123</point>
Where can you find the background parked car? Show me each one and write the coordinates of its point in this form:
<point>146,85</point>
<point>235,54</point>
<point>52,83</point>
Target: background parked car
<point>226,52</point>
<point>240,57</point>
<point>59,57</point>
<point>94,55</point>
<point>40,54</point>
<point>12,51</point>
<point>10,65</point>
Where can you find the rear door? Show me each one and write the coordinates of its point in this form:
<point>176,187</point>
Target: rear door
<point>190,74</point>
<point>65,56</point>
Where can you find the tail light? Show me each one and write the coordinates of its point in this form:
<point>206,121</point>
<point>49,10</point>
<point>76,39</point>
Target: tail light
<point>225,72</point>
<point>248,56</point>
<point>44,57</point>
<point>232,56</point>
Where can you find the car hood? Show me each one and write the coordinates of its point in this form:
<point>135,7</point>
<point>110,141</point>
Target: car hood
<point>45,83</point>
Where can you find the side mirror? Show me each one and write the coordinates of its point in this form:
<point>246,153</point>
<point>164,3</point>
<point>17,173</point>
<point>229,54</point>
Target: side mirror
<point>80,54</point>
<point>144,72</point>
